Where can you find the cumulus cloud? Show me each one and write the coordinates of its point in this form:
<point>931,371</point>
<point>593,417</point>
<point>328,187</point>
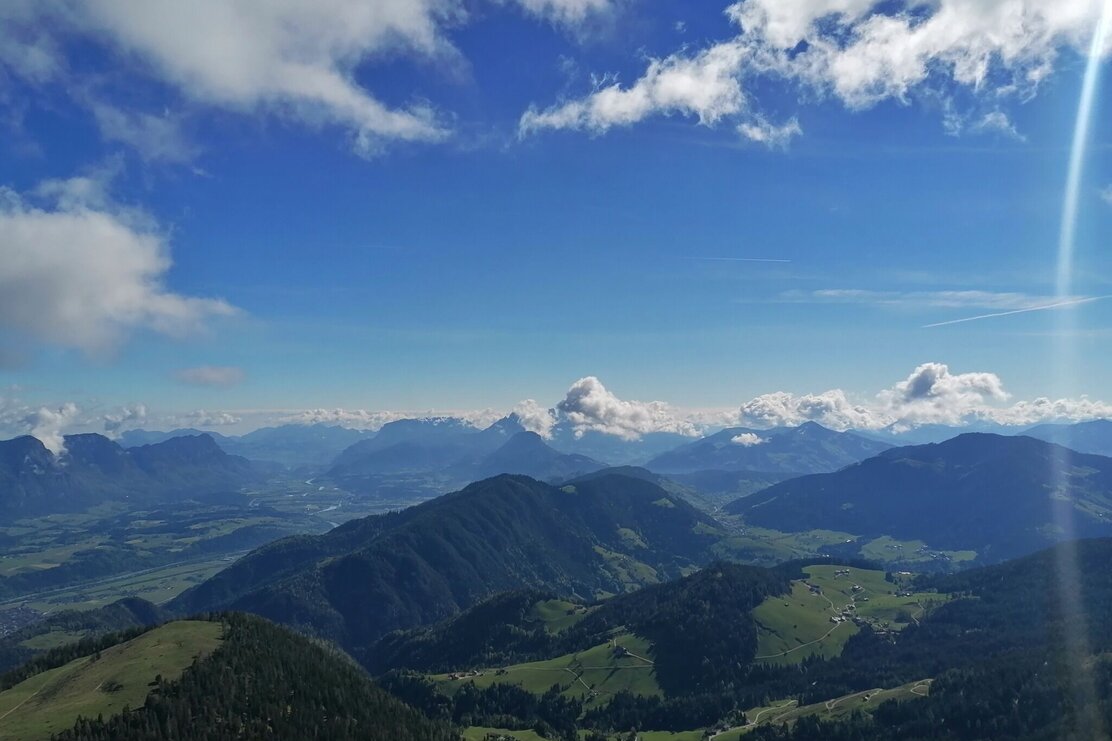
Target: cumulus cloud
<point>78,271</point>
<point>934,395</point>
<point>748,439</point>
<point>1106,194</point>
<point>589,406</point>
<point>968,55</point>
<point>930,394</point>
<point>1040,410</point>
<point>287,58</point>
<point>204,418</point>
<point>831,409</point>
<point>705,86</point>
<point>49,424</point>
<point>211,375</point>
<point>535,417</point>
<point>131,415</point>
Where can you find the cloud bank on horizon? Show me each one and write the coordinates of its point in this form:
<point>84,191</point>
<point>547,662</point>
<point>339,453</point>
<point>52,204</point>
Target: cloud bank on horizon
<point>930,395</point>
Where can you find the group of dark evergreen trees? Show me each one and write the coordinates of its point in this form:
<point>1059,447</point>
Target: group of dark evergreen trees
<point>262,682</point>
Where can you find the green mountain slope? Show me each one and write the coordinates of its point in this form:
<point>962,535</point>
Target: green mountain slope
<point>602,535</point>
<point>103,683</point>
<point>699,630</point>
<point>235,676</point>
<point>992,494</point>
<point>69,626</point>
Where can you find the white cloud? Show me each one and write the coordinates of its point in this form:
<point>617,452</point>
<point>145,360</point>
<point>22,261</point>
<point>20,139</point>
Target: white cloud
<point>211,375</point>
<point>203,418</point>
<point>748,439</point>
<point>705,86</point>
<point>365,419</point>
<point>132,415</point>
<point>80,272</point>
<point>49,424</point>
<point>1106,194</point>
<point>931,394</point>
<point>831,409</point>
<point>969,56</point>
<point>589,406</point>
<point>934,395</point>
<point>1024,413</point>
<point>154,137</point>
<point>357,419</point>
<point>965,299</point>
<point>289,58</point>
<point>535,418</point>
<point>762,131</point>
<point>568,12</point>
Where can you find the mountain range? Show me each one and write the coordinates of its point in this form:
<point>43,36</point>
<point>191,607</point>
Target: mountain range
<point>1085,437</point>
<point>291,445</point>
<point>998,495</point>
<point>599,535</point>
<point>93,469</point>
<point>809,448</point>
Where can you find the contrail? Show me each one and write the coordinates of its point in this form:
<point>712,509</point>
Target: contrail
<point>1044,307</point>
<point>739,259</point>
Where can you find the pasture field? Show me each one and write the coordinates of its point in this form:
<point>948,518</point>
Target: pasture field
<point>800,624</point>
<point>558,615</point>
<point>102,685</point>
<point>886,549</point>
<point>592,675</point>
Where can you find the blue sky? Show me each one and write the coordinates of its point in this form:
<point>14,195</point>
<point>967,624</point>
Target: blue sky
<point>454,253</point>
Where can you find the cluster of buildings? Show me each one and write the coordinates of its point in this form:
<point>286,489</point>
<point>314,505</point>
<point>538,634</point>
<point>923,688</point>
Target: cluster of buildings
<point>15,618</point>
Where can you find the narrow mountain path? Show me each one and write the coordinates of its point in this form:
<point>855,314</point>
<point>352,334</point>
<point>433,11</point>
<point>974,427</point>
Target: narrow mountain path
<point>802,645</point>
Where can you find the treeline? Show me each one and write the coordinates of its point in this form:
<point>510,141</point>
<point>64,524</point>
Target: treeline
<point>121,615</point>
<point>550,714</point>
<point>265,682</point>
<point>702,632</point>
<point>1006,657</point>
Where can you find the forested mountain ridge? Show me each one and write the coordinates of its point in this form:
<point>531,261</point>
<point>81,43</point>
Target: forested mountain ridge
<point>994,494</point>
<point>1002,659</point>
<point>603,534</point>
<point>257,681</point>
<point>700,628</point>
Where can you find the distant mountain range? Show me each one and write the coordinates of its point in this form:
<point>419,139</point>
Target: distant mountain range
<point>290,445</point>
<point>422,446</point>
<point>1084,437</point>
<point>994,494</point>
<point>598,535</point>
<point>94,469</point>
<point>809,448</point>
